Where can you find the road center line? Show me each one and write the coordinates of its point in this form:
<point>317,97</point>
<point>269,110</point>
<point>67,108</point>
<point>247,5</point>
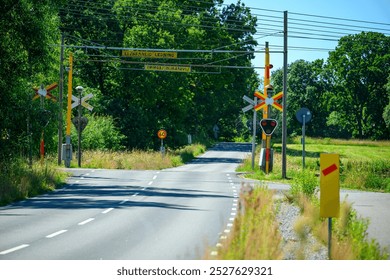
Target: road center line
<point>56,233</point>
<point>86,221</point>
<point>107,210</point>
<point>5,252</point>
<point>154,177</point>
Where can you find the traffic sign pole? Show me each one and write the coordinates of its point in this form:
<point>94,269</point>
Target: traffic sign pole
<point>303,141</point>
<point>254,135</point>
<point>267,153</point>
<point>329,191</point>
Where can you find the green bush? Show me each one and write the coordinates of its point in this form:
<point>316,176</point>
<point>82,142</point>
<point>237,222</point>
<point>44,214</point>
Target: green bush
<point>99,134</point>
<point>304,182</point>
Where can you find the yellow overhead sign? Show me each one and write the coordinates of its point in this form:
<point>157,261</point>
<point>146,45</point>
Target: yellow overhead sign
<point>171,68</point>
<point>148,54</point>
<point>329,185</point>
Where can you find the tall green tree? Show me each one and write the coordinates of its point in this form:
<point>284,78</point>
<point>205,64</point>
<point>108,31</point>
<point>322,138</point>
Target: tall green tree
<point>28,31</point>
<point>360,65</point>
<point>142,102</point>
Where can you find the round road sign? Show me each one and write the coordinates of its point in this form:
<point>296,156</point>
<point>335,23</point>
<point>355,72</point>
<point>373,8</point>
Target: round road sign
<point>303,115</point>
<point>162,134</point>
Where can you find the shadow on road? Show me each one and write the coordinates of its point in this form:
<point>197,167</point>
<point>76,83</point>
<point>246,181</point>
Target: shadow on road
<point>80,196</point>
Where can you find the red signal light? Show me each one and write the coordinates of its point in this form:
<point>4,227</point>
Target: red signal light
<point>268,125</point>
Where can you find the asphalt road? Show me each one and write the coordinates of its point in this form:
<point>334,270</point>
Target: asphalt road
<point>170,214</point>
<point>122,214</point>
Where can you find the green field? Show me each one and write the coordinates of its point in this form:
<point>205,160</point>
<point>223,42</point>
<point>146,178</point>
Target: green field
<point>364,165</point>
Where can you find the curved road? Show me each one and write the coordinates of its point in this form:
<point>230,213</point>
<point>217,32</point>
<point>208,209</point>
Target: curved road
<point>123,214</point>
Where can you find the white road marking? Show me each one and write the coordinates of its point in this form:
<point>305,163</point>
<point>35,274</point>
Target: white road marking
<point>5,252</point>
<point>214,253</point>
<point>107,210</point>
<point>56,233</point>
<point>86,221</point>
<point>123,201</point>
<point>151,182</point>
<point>226,231</point>
<point>229,225</point>
<point>87,174</point>
<point>233,214</point>
<point>219,244</point>
<point>135,194</point>
<point>93,170</point>
<point>154,177</point>
<point>231,219</point>
<point>77,181</point>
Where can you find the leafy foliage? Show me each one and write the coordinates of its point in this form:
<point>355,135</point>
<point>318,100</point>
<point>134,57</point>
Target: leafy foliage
<point>348,94</point>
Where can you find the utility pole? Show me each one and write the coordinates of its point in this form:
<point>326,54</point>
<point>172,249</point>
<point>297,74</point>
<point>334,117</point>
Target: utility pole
<point>60,100</point>
<point>254,134</point>
<point>284,117</point>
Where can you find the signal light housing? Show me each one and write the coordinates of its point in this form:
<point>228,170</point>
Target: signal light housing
<point>268,126</point>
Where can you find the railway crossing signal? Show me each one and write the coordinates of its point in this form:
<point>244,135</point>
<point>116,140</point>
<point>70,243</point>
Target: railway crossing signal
<point>45,91</point>
<point>268,101</point>
<point>83,101</point>
<point>268,126</point>
<point>266,155</point>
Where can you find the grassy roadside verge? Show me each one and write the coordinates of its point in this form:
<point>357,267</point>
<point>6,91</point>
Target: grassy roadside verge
<point>140,160</point>
<point>363,166</point>
<point>18,181</point>
<point>256,234</point>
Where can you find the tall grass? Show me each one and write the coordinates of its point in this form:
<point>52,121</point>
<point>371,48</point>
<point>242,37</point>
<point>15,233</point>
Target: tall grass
<point>255,232</point>
<point>18,181</point>
<point>349,239</point>
<point>140,160</point>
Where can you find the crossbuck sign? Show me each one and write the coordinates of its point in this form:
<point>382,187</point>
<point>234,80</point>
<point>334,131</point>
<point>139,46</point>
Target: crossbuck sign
<point>83,101</point>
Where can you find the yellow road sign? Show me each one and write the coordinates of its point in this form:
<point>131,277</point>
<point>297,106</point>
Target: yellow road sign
<point>148,54</point>
<point>162,134</point>
<point>170,68</point>
<point>329,185</point>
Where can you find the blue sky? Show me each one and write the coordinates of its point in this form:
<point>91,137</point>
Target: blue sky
<point>363,10</point>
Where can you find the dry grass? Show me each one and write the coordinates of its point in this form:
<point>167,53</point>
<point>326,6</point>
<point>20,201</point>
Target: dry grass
<point>140,160</point>
<point>255,232</point>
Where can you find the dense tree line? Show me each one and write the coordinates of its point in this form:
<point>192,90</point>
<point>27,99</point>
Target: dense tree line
<point>348,94</point>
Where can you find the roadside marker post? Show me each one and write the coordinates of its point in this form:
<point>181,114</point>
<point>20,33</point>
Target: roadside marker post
<point>329,191</point>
